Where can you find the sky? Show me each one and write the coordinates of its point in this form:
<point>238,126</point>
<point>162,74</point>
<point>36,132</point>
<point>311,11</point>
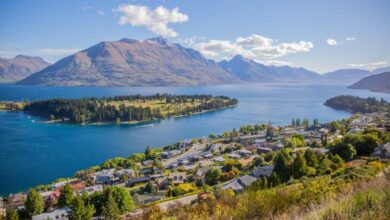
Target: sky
<point>318,35</point>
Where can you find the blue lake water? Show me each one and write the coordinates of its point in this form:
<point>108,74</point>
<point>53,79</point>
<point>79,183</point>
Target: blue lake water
<point>35,153</point>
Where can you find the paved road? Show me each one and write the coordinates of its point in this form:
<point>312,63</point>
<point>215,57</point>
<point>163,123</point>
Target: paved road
<point>197,148</point>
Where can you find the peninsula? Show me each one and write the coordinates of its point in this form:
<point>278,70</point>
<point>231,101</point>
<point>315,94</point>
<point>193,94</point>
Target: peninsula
<point>122,109</point>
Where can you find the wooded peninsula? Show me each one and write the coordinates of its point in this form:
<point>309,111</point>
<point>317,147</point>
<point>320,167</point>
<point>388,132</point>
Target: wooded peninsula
<point>122,109</point>
<point>356,104</point>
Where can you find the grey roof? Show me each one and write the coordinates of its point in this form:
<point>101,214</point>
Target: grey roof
<point>234,185</point>
<point>61,214</point>
<point>246,180</point>
<point>139,180</point>
<point>148,198</point>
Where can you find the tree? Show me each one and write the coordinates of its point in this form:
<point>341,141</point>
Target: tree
<point>110,208</point>
<point>212,176</point>
<point>364,144</point>
<point>299,166</point>
<point>311,158</point>
<point>122,198</point>
<point>334,126</point>
<point>149,154</point>
<point>282,163</point>
<point>66,196</point>
<point>150,187</point>
<point>270,131</point>
<point>34,203</point>
<point>346,151</point>
<point>12,214</point>
<point>325,166</point>
<point>79,210</point>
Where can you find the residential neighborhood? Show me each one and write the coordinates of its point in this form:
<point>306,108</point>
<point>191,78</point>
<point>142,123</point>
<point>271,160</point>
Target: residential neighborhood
<point>238,157</point>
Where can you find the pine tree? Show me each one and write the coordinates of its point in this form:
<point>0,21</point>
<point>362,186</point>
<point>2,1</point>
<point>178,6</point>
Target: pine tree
<point>34,203</point>
<point>110,208</point>
<point>79,210</point>
<point>299,166</point>
<point>66,196</point>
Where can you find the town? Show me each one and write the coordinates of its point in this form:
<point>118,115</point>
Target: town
<point>190,171</point>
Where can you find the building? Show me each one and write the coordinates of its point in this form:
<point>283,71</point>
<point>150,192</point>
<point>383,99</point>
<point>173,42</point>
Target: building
<point>216,148</point>
<point>58,214</point>
<point>202,171</point>
<point>263,171</point>
<point>92,189</point>
<point>382,151</point>
<point>240,183</point>
<point>134,181</point>
<point>177,177</point>
<point>144,199</point>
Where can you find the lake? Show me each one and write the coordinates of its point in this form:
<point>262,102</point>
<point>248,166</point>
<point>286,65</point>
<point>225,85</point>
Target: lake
<point>33,153</point>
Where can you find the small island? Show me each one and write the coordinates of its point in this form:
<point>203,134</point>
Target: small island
<point>356,104</point>
<point>122,109</point>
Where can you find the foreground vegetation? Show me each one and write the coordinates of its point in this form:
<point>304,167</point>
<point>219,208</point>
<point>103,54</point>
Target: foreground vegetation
<point>134,108</point>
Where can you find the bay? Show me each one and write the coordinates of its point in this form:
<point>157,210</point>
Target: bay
<point>33,153</point>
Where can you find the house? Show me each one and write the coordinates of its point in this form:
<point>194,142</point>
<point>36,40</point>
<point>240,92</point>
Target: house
<point>233,185</point>
<point>127,172</point>
<point>219,159</point>
<point>104,176</point>
<point>16,200</point>
<point>60,214</point>
<point>245,153</point>
<point>202,171</point>
<point>216,148</point>
<point>63,183</point>
<point>234,156</point>
<point>260,141</point>
<point>134,181</point>
<point>246,180</point>
<point>251,148</point>
<point>143,199</point>
<point>171,166</point>
<point>147,163</point>
<point>382,151</point>
<point>92,189</point>
<point>177,177</point>
<point>263,171</point>
<point>264,150</point>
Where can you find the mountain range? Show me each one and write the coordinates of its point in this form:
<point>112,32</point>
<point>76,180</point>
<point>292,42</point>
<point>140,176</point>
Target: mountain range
<point>158,62</point>
<point>151,62</point>
<point>14,69</point>
<point>376,83</point>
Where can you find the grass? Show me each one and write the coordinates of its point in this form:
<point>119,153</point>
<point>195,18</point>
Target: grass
<point>166,108</point>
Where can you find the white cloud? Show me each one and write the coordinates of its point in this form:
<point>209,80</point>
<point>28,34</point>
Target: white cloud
<point>255,47</point>
<point>351,38</point>
<point>155,20</point>
<point>100,12</point>
<point>332,42</point>
<point>371,66</point>
<point>86,8</point>
<point>58,51</point>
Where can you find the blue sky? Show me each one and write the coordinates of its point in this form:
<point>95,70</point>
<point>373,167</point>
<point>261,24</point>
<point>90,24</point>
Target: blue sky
<point>318,35</point>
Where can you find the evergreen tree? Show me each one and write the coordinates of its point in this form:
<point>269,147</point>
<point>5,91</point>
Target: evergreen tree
<point>311,158</point>
<point>34,203</point>
<point>122,198</point>
<point>299,167</point>
<point>282,163</point>
<point>66,196</point>
<point>80,211</point>
<point>110,208</point>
